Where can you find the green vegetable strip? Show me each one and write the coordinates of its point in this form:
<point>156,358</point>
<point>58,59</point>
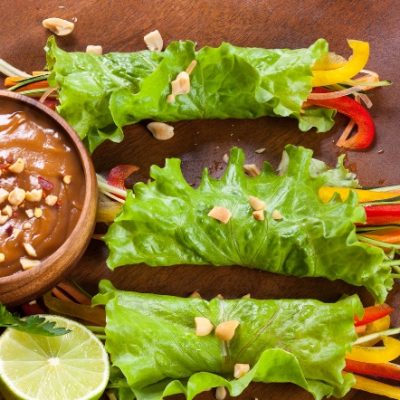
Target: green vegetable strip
<point>101,94</point>
<point>165,222</point>
<point>151,339</point>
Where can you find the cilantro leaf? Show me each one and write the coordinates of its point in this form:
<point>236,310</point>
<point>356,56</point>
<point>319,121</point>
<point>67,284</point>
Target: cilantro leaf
<point>34,324</point>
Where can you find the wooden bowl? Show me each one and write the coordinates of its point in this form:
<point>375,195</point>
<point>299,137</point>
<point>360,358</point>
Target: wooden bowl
<point>26,285</point>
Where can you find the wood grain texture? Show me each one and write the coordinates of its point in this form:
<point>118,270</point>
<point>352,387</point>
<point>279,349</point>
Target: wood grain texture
<point>120,26</point>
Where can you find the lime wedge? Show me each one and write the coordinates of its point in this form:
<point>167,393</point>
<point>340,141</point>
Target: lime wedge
<point>74,366</point>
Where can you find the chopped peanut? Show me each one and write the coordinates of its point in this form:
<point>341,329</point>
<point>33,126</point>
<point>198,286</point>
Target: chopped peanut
<point>16,232</point>
<point>67,179</point>
<point>37,212</point>
<point>181,84</point>
<point>2,257</point>
<point>29,213</point>
<point>220,393</point>
<point>154,41</point>
<point>191,66</point>
<point>3,219</point>
<point>28,263</point>
<point>30,250</point>
<point>203,326</point>
<point>51,200</point>
<point>59,26</point>
<point>226,330</point>
<point>225,158</point>
<point>170,98</point>
<point>247,296</point>
<point>221,214</point>
<point>256,204</point>
<point>35,195</point>
<point>161,130</point>
<point>261,150</point>
<point>219,296</point>
<point>240,370</point>
<point>251,169</point>
<point>26,226</point>
<point>258,215</point>
<point>18,166</point>
<point>195,295</point>
<point>3,195</point>
<point>96,50</point>
<point>7,210</point>
<point>276,215</point>
<point>16,196</point>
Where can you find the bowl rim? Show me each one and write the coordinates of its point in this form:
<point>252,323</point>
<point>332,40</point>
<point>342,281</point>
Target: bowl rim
<point>81,232</point>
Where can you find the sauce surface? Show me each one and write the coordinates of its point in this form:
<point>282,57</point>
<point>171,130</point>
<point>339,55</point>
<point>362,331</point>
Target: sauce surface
<point>41,189</point>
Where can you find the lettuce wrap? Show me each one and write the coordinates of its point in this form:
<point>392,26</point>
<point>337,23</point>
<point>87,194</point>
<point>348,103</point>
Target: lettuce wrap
<point>165,222</point>
<point>155,351</point>
<point>101,94</point>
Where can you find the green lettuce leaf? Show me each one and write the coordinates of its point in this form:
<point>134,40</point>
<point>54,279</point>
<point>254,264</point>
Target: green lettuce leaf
<point>165,222</point>
<point>152,341</point>
<point>101,94</point>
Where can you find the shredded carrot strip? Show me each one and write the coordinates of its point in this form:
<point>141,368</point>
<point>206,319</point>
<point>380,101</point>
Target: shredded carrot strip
<point>35,85</point>
<point>12,80</point>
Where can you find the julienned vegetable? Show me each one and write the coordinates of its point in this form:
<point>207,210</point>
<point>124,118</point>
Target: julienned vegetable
<point>354,110</point>
<point>276,223</point>
<point>346,71</point>
<point>299,341</point>
<point>101,94</point>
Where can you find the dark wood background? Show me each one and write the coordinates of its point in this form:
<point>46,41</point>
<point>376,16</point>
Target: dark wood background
<point>120,26</point>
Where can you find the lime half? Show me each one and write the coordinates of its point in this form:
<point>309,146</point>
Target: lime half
<point>74,366</point>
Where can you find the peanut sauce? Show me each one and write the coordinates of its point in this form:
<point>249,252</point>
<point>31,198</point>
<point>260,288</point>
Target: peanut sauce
<point>41,188</point>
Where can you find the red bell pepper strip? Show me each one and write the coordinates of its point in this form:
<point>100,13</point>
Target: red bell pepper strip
<point>32,308</point>
<point>51,102</point>
<point>365,134</point>
<point>373,313</point>
<point>117,175</point>
<point>385,370</point>
<point>385,214</point>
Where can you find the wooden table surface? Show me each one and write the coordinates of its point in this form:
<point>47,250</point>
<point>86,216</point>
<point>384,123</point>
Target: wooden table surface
<point>120,26</point>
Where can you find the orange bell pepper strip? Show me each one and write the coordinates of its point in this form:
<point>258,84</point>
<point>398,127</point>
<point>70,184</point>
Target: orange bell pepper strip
<point>387,235</point>
<point>351,68</point>
<point>376,355</point>
<point>364,196</point>
<point>374,387</point>
<point>386,370</point>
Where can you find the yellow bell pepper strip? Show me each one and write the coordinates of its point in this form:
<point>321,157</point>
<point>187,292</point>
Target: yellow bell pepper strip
<point>353,66</point>
<point>329,61</point>
<point>387,235</point>
<point>374,387</point>
<point>386,370</point>
<point>379,325</point>
<point>365,134</point>
<point>376,355</point>
<point>364,196</point>
<point>373,313</point>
